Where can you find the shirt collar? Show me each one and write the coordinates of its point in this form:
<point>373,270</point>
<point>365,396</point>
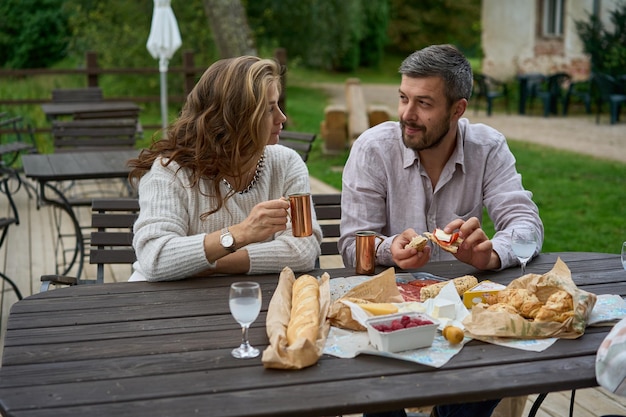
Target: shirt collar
<point>411,157</point>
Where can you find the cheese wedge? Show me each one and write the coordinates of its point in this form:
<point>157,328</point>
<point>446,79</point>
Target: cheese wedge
<point>379,309</point>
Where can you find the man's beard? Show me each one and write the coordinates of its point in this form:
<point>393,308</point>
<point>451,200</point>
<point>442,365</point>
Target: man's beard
<point>431,138</point>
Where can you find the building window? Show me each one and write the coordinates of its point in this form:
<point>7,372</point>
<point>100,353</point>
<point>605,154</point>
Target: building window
<point>552,20</point>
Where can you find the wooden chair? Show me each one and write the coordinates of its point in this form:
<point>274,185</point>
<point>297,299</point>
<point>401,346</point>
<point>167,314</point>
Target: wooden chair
<point>94,134</point>
<point>328,212</point>
<point>110,243</point>
<point>67,95</point>
<point>111,114</point>
<point>298,141</point>
<point>113,219</point>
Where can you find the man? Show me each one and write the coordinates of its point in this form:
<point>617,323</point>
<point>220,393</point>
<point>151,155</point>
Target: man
<point>434,169</point>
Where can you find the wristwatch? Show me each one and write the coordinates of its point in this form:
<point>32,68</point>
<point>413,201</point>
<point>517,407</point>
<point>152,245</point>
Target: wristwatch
<point>227,240</point>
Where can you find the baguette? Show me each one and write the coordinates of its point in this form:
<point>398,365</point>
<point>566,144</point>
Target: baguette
<point>462,284</point>
<point>305,310</point>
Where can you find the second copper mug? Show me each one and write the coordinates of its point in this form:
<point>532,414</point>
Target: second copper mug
<point>366,252</point>
<point>301,223</point>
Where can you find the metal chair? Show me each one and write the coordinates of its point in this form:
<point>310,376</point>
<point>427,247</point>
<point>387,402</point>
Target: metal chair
<point>489,89</point>
<point>6,222</point>
<point>13,146</point>
<point>111,242</point>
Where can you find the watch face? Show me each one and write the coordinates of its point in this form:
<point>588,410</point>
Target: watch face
<point>227,241</point>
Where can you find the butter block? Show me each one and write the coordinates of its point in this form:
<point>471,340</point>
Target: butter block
<point>477,294</point>
<point>443,309</point>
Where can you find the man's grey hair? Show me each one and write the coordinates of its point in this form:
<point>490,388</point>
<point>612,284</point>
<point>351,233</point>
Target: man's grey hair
<point>444,61</point>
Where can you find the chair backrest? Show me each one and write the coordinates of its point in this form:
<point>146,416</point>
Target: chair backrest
<point>112,114</point>
<point>111,242</point>
<point>328,212</point>
<point>605,85</point>
<point>298,141</point>
<point>12,145</point>
<point>67,95</point>
<point>114,218</point>
<point>94,134</point>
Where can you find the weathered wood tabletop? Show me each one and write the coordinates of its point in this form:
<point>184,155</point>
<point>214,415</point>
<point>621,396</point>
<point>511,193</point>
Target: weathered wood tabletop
<point>163,349</point>
<point>48,169</point>
<point>56,109</point>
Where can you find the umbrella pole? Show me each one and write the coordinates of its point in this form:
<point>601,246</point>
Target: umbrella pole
<point>164,100</point>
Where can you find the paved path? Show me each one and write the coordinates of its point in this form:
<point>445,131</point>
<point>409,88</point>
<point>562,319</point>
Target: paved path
<point>575,133</point>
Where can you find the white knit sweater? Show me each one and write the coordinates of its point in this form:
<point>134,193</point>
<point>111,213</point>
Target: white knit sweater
<point>169,235</point>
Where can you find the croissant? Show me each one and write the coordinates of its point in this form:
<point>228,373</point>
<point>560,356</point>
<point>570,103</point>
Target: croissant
<point>558,307</point>
<point>502,308</point>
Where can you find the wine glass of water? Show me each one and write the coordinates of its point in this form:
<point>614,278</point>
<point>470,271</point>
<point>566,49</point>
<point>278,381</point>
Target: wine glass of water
<point>624,254</point>
<point>244,301</point>
<point>524,243</point>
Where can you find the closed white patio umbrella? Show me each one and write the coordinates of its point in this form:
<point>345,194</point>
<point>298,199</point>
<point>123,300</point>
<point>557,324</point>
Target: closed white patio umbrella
<point>163,41</point>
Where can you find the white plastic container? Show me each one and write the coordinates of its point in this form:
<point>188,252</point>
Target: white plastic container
<point>403,339</point>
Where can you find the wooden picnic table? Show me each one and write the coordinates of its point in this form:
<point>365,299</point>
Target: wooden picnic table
<point>49,169</point>
<point>163,349</point>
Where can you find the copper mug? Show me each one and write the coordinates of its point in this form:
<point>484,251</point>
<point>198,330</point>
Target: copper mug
<point>366,252</point>
<point>301,224</point>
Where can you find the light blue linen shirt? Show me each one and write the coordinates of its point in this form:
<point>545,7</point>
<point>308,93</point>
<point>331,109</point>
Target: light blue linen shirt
<point>386,189</point>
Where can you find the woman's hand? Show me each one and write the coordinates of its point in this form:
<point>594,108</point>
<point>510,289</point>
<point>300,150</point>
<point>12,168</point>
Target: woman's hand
<point>264,220</point>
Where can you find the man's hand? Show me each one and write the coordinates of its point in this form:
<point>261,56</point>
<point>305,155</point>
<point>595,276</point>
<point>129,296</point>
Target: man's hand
<point>476,249</point>
<point>408,258</point>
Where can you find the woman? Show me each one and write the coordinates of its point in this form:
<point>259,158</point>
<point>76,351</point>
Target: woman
<point>212,194</point>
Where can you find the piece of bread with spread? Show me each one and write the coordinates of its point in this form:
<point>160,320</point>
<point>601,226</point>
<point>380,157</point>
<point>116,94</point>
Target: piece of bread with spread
<point>449,242</point>
<point>305,310</point>
<point>418,243</point>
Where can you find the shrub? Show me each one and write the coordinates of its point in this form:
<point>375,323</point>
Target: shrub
<point>606,48</point>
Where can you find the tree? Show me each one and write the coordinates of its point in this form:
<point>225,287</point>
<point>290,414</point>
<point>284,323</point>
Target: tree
<point>33,33</point>
<point>415,25</point>
<point>607,49</point>
<point>330,34</point>
<point>229,26</point>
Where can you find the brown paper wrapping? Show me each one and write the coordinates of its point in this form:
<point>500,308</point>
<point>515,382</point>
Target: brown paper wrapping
<point>501,324</point>
<point>380,288</point>
<point>302,353</point>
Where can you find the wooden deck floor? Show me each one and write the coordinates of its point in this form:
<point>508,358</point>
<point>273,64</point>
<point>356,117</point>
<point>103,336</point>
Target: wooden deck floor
<point>28,253</point>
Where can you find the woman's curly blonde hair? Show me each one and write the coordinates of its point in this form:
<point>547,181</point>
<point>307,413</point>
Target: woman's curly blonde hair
<point>219,130</point>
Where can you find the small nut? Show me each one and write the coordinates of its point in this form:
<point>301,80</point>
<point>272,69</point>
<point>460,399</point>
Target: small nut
<point>453,334</point>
